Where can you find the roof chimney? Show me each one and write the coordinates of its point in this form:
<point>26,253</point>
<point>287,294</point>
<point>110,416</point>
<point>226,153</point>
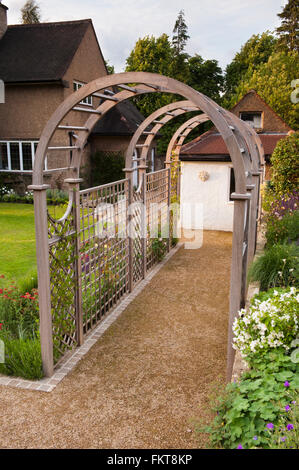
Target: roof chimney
<point>3,19</point>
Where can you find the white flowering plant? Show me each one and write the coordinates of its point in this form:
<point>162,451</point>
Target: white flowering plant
<point>270,322</point>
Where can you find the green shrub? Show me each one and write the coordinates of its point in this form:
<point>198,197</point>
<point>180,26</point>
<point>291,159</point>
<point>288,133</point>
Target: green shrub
<point>268,323</point>
<point>246,411</point>
<point>277,267</point>
<point>106,167</point>
<point>283,230</point>
<point>158,246</point>
<point>285,165</point>
<point>28,282</point>
<point>286,434</point>
<point>18,313</point>
<point>22,358</point>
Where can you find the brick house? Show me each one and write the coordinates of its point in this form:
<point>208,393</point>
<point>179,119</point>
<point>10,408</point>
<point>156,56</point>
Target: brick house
<point>209,153</point>
<point>41,65</point>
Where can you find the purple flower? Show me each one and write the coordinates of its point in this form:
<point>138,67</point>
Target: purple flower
<point>255,438</point>
<point>270,426</point>
<point>287,384</point>
<point>290,427</point>
<point>283,439</point>
<point>287,408</point>
<point>239,446</point>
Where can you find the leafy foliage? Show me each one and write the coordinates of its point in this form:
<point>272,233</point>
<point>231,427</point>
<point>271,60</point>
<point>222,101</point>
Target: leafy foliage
<point>288,31</point>
<point>285,165</point>
<point>30,12</point>
<point>273,82</point>
<point>248,410</point>
<point>181,36</point>
<point>160,55</point>
<point>205,76</point>
<point>106,168</point>
<point>23,359</point>
<point>277,267</point>
<point>286,434</point>
<point>283,229</point>
<point>19,331</point>
<point>256,51</point>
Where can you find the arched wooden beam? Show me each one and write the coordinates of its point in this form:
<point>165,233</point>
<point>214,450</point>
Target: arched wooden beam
<point>147,83</point>
<point>180,135</point>
<point>176,143</point>
<point>168,112</point>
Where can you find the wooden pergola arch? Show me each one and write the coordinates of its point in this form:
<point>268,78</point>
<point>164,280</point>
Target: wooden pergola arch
<point>257,163</point>
<point>233,135</point>
<point>175,109</point>
<point>157,120</point>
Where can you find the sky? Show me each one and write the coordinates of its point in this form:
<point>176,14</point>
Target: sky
<point>217,28</point>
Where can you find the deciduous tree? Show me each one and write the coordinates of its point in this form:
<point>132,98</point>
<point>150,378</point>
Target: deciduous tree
<point>30,13</point>
<point>288,31</point>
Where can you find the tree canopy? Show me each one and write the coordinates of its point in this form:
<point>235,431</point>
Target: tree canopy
<point>30,13</point>
<point>253,53</point>
<point>288,31</point>
<point>285,165</point>
<point>168,57</point>
<point>180,34</point>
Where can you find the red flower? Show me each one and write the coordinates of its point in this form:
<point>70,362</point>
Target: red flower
<point>1,324</point>
<point>1,291</point>
<point>2,276</point>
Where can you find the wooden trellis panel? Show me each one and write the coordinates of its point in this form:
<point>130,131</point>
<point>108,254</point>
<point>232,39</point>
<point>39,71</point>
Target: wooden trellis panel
<point>103,250</point>
<point>157,185</point>
<point>137,223</point>
<point>62,255</point>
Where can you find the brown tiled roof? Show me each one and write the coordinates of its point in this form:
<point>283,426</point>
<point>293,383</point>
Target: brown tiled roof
<point>39,52</point>
<point>211,144</point>
<point>122,119</point>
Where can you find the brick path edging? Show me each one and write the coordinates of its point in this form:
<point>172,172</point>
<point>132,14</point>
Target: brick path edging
<point>66,366</point>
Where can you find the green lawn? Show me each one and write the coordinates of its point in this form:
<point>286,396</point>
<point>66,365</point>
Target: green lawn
<point>17,240</point>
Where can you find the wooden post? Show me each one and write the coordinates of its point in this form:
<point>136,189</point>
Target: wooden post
<point>129,175</point>
<point>74,185</point>
<point>252,189</point>
<point>43,270</point>
<point>257,177</point>
<point>144,226</point>
<point>240,201</point>
<point>168,210</point>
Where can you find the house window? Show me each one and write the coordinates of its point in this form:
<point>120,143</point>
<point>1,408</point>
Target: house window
<point>253,119</point>
<point>232,183</point>
<point>17,156</point>
<point>88,99</point>
<point>3,156</point>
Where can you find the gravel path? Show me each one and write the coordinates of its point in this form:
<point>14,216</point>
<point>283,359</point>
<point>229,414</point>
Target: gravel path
<point>147,380</point>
